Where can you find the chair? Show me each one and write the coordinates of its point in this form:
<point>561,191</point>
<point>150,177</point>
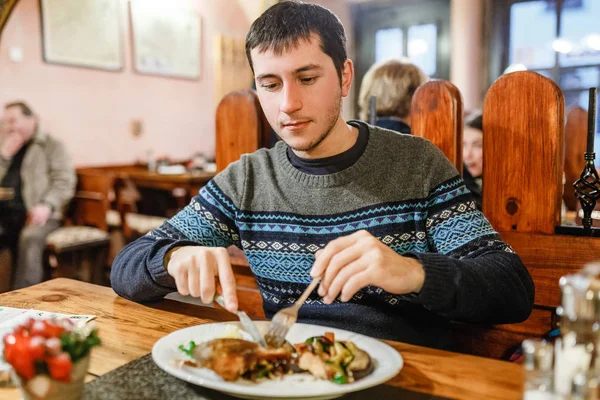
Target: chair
<point>575,143</point>
<point>79,249</point>
<point>6,261</point>
<point>241,127</point>
<point>136,224</point>
<point>523,120</point>
<point>437,115</point>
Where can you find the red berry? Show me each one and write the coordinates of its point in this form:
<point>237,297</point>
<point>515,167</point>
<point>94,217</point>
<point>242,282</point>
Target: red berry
<point>60,367</point>
<point>24,366</point>
<point>53,330</point>
<point>37,347</point>
<point>53,346</point>
<point>38,328</point>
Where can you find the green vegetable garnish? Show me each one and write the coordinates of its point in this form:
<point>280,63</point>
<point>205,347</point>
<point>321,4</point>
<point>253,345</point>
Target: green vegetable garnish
<point>79,346</point>
<point>190,350</point>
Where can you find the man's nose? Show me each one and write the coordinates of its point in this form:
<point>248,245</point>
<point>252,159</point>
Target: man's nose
<point>292,99</point>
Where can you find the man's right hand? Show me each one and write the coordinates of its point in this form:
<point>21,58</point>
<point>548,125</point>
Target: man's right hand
<point>11,144</point>
<point>195,269</point>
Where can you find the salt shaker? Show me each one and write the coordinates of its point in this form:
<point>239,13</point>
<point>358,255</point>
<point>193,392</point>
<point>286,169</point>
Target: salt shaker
<point>538,383</point>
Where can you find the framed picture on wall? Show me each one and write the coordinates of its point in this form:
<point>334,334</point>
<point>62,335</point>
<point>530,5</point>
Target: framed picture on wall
<point>166,39</point>
<point>82,33</point>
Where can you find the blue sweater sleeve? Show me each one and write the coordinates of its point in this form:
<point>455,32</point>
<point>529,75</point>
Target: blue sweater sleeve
<point>471,274</point>
<point>138,272</point>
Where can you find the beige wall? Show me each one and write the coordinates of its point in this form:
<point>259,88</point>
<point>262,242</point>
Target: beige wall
<point>90,110</point>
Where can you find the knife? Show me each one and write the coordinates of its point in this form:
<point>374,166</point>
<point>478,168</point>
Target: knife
<point>247,323</point>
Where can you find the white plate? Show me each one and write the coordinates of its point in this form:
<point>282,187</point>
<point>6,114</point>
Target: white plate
<point>387,364</point>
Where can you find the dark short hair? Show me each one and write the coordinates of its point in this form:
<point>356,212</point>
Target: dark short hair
<point>475,121</point>
<point>283,25</point>
<point>25,109</point>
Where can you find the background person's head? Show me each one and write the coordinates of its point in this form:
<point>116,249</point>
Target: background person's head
<point>393,82</point>
<point>473,144</point>
<point>18,118</point>
<point>297,52</point>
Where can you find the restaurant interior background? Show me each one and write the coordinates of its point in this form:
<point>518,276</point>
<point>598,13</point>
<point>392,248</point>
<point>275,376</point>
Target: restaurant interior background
<point>150,84</point>
<point>117,115</point>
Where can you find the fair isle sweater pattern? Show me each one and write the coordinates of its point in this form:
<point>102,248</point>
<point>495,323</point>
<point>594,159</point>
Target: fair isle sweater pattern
<point>280,246</point>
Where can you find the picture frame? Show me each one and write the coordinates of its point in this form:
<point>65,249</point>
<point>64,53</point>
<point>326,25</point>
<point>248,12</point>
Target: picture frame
<point>166,40</point>
<point>82,33</point>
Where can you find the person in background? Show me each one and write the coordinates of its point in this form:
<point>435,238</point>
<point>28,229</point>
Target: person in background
<point>37,169</point>
<point>393,83</point>
<point>473,155</point>
<point>383,219</point>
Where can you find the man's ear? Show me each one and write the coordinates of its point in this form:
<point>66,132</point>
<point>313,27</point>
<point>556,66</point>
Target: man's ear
<point>347,77</point>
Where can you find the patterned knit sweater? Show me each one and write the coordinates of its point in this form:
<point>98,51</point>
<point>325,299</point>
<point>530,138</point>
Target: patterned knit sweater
<point>402,190</point>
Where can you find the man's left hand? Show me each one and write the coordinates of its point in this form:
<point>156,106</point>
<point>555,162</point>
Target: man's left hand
<point>352,262</point>
<point>39,214</point>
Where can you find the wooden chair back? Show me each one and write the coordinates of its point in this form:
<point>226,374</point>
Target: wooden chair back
<point>92,200</point>
<point>523,121</point>
<point>437,115</point>
<point>241,127</point>
<point>575,143</point>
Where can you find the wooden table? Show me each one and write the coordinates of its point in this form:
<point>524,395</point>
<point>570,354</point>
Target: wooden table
<point>129,330</point>
<point>190,181</point>
<point>182,186</point>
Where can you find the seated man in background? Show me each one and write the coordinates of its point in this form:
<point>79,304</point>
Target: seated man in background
<point>384,219</point>
<point>38,171</point>
<point>393,83</point>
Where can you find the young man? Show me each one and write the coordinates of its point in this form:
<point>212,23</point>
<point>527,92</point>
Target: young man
<point>384,218</point>
<point>37,168</point>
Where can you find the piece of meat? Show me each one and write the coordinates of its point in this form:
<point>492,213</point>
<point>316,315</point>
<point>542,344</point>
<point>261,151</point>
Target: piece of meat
<point>229,358</point>
<point>232,358</point>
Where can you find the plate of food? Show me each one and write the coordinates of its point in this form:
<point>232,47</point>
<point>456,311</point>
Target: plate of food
<point>316,362</point>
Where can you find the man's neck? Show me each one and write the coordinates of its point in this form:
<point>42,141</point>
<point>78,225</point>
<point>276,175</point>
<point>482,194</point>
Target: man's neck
<point>341,138</point>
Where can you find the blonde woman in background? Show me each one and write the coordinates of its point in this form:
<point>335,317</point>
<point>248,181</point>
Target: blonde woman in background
<point>393,82</point>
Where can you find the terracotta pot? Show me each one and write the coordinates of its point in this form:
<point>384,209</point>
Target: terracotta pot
<point>43,387</point>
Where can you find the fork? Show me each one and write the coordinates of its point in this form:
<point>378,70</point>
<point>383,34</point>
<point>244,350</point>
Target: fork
<point>285,318</point>
<point>247,323</point>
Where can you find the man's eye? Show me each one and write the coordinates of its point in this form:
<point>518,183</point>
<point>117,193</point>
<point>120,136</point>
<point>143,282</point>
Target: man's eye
<point>308,80</point>
<point>269,86</point>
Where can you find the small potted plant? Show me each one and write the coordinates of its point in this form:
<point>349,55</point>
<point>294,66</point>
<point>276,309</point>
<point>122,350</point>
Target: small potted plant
<point>50,358</point>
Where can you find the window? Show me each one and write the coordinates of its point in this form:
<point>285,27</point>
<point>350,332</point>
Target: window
<point>388,44</point>
<point>559,39</point>
<point>422,47</point>
<point>532,29</point>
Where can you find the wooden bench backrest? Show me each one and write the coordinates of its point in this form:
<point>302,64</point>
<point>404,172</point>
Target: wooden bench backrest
<point>575,142</point>
<point>523,120</point>
<point>241,127</point>
<point>523,147</point>
<point>437,115</point>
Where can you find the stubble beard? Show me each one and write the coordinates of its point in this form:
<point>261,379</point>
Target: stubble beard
<point>331,120</point>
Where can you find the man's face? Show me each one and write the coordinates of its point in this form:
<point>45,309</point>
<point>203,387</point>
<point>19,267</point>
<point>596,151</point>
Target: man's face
<point>16,123</point>
<point>300,92</point>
